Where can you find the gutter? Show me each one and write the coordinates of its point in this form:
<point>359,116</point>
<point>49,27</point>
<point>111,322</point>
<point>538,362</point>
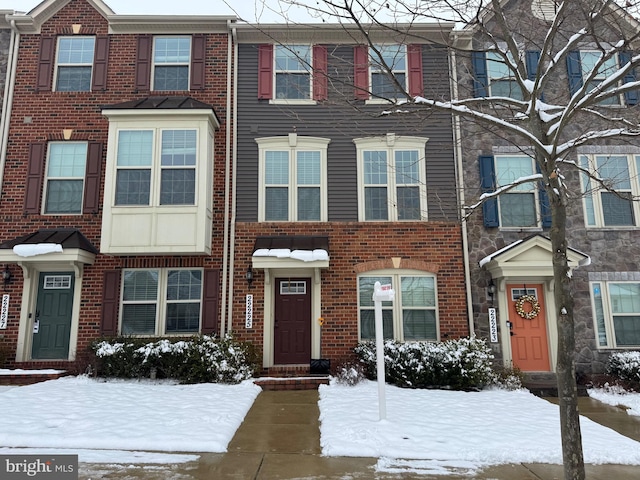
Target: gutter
<point>227,180</point>
<point>9,87</point>
<point>234,161</point>
<point>457,139</point>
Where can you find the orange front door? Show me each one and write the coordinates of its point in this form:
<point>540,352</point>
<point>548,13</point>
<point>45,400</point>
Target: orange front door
<point>529,339</point>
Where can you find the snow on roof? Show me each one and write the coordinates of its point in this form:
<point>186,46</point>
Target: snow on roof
<point>318,254</point>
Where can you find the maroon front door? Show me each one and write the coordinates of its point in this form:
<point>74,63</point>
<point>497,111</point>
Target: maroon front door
<point>292,326</point>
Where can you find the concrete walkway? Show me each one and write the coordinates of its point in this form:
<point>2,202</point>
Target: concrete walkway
<point>280,439</point>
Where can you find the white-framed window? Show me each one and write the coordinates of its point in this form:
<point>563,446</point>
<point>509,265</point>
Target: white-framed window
<point>64,181</point>
<point>616,307</point>
<point>293,178</point>
<point>388,65</point>
<point>413,313</point>
<point>588,61</point>
<point>171,60</point>
<point>293,72</point>
<point>161,301</point>
<point>391,178</point>
<point>500,77</point>
<point>604,208</point>
<point>74,63</point>
<point>518,207</point>
<point>156,167</point>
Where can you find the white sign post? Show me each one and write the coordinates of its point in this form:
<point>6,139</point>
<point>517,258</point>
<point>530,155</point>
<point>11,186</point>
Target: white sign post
<point>493,325</point>
<point>381,293</point>
<point>4,314</point>
<point>248,321</point>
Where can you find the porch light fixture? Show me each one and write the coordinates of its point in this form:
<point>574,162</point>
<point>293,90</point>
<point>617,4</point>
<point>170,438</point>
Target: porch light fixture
<point>6,275</point>
<point>491,289</point>
<point>249,276</point>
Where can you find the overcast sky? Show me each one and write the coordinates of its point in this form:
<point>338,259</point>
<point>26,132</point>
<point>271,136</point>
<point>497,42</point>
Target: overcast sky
<point>250,10</point>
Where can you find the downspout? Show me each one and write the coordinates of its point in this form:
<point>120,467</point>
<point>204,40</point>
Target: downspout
<point>234,156</point>
<point>9,87</point>
<point>227,181</point>
<point>457,139</point>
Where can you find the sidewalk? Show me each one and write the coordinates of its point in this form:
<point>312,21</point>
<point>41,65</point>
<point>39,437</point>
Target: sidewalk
<point>280,439</point>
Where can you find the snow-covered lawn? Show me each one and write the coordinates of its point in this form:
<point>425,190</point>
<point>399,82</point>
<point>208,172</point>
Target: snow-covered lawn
<point>100,420</point>
<point>617,397</point>
<point>483,428</point>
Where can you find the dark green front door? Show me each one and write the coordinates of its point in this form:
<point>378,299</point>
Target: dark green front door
<point>52,323</point>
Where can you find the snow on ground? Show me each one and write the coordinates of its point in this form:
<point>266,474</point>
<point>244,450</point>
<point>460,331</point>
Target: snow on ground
<point>617,397</point>
<point>487,427</point>
<point>428,431</point>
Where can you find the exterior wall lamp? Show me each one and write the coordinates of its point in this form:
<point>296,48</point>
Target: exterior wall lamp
<point>6,275</point>
<point>491,289</point>
<point>249,276</point>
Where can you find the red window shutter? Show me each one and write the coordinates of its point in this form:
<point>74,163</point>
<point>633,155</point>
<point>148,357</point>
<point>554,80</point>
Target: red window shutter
<point>110,303</point>
<point>210,301</point>
<point>45,63</point>
<point>361,72</point>
<point>100,63</point>
<point>414,63</point>
<point>143,62</point>
<point>198,56</point>
<point>320,73</point>
<point>35,169</point>
<point>265,72</point>
<point>91,202</point>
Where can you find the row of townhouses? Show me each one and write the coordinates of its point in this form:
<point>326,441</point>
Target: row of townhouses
<point>176,175</point>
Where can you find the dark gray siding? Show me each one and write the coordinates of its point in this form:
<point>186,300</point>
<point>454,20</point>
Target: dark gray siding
<point>342,119</point>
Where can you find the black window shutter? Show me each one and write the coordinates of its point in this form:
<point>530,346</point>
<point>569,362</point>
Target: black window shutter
<point>91,203</point>
<point>574,72</point>
<point>110,303</point>
<point>487,184</point>
<point>480,75</point>
<point>198,56</point>
<point>45,63</point>
<point>143,62</point>
<point>630,97</point>
<point>35,170</point>
<point>210,301</point>
<point>100,64</point>
<point>545,205</point>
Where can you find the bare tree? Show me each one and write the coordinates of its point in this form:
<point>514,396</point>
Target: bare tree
<point>535,110</point>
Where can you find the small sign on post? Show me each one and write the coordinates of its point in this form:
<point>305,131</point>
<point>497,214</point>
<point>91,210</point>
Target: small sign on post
<point>248,322</point>
<point>493,325</point>
<point>381,293</point>
<point>4,314</point>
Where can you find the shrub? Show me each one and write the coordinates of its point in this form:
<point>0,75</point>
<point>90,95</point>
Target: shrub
<point>195,360</point>
<point>349,373</point>
<point>625,365</point>
<point>509,378</point>
<point>459,364</point>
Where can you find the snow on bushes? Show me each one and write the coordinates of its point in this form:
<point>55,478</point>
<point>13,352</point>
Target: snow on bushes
<point>625,365</point>
<point>458,364</point>
<point>199,359</point>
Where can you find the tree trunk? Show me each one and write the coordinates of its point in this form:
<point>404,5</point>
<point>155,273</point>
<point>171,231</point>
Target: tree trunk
<point>565,369</point>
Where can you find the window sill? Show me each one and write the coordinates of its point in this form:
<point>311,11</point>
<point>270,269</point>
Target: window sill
<point>285,101</point>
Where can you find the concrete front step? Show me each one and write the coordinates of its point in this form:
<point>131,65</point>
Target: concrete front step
<point>292,383</point>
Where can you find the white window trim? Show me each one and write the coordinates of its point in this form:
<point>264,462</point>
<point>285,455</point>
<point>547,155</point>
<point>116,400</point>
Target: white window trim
<point>390,143</point>
<point>58,64</point>
<point>534,189</point>
<point>608,315</point>
<point>373,65</point>
<point>292,143</point>
<point>396,276</point>
<point>175,64</point>
<point>156,167</point>
<point>46,180</point>
<point>160,302</point>
<point>593,192</point>
<point>292,101</point>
